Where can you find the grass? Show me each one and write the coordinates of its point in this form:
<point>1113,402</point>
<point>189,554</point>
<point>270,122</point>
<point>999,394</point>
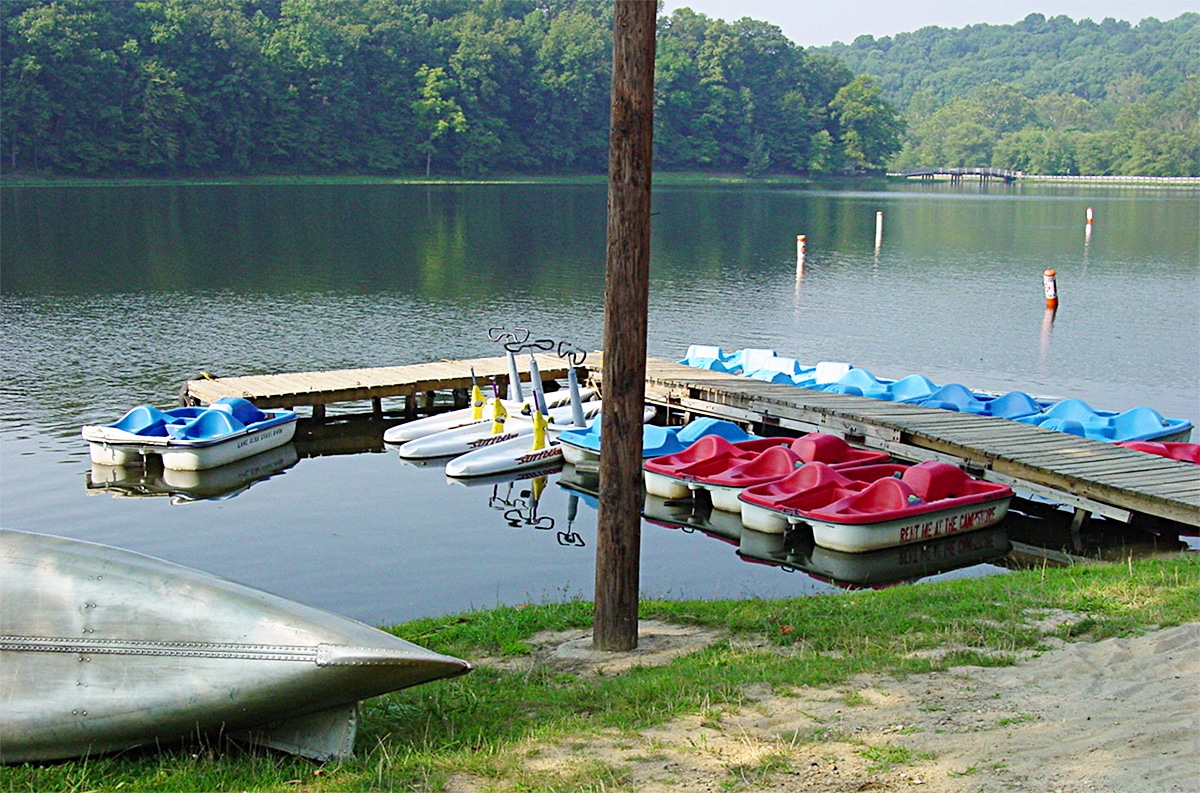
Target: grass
<point>482,725</point>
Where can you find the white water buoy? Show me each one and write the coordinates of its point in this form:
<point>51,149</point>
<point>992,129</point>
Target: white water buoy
<point>878,230</point>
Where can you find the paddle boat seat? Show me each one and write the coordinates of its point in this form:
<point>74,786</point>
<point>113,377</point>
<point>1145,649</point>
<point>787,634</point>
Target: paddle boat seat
<point>242,410</point>
<point>859,382</point>
<point>1013,405</point>
<point>208,425</point>
<point>706,425</point>
<point>1135,424</point>
<point>1070,409</point>
<point>832,450</point>
<point>751,359</point>
<point>955,396</point>
<point>882,496</point>
<point>143,420</point>
<point>934,481</point>
<point>707,356</point>
<point>911,388</point>
<point>767,466</point>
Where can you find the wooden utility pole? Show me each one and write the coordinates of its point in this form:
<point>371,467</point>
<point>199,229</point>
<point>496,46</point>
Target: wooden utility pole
<point>626,302</point>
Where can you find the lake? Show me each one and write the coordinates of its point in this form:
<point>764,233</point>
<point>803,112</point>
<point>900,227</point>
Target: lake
<point>114,295</point>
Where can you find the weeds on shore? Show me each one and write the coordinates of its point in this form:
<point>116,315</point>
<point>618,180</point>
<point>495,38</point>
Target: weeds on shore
<point>481,725</point>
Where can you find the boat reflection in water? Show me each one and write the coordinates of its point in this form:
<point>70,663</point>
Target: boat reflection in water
<point>795,549</point>
<point>152,480</point>
<point>516,496</point>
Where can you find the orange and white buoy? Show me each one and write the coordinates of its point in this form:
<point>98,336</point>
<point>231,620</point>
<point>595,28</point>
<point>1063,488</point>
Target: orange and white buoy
<point>1090,217</point>
<point>1050,285</point>
<point>801,248</point>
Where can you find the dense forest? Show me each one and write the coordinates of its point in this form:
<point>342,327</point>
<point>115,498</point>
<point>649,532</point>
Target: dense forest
<point>1044,95</point>
<point>420,86</point>
<point>471,87</point>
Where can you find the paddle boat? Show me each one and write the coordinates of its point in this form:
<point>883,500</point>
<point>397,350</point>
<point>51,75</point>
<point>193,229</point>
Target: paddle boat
<point>582,444</point>
<point>190,438</point>
<point>1076,417</point>
<point>104,650</point>
<point>481,411</point>
<point>724,471</point>
<point>500,428</point>
<point>1184,452</point>
<point>929,500</point>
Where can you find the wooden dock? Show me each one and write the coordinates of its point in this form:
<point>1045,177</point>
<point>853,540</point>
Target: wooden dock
<point>1091,476</point>
<point>413,382</point>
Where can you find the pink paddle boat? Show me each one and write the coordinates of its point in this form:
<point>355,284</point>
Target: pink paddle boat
<point>929,500</point>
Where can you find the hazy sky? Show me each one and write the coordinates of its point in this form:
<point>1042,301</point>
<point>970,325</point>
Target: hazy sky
<point>815,24</point>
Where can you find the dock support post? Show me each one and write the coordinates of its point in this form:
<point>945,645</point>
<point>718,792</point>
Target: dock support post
<point>377,407</point>
<point>318,411</point>
<point>626,305</point>
<point>1078,520</point>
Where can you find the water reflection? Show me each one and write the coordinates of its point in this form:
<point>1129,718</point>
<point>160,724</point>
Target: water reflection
<point>152,480</point>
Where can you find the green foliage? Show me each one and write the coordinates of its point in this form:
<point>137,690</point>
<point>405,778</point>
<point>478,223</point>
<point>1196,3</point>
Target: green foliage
<point>1045,96</point>
<point>200,87</point>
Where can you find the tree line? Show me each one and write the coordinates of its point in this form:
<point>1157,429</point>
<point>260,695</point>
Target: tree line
<point>470,87</point>
<point>1045,96</point>
<point>195,87</point>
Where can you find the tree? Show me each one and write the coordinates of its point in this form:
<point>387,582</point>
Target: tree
<point>870,129</point>
<point>436,115</point>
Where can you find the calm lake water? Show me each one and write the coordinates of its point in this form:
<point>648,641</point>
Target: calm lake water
<point>115,295</point>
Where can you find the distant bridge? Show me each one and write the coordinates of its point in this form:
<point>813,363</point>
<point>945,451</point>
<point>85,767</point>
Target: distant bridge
<point>958,174</point>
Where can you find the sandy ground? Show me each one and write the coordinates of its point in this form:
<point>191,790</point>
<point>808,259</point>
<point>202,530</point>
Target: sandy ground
<point>1117,715</point>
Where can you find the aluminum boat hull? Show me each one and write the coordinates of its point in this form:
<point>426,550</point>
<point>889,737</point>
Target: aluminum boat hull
<point>102,649</point>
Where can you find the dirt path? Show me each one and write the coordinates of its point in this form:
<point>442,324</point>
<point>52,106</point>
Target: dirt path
<point>1120,715</point>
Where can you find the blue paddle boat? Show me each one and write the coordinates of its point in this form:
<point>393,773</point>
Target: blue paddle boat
<point>1076,417</point>
<point>190,438</point>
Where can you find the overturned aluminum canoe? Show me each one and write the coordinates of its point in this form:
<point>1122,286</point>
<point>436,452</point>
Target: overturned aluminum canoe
<point>102,649</point>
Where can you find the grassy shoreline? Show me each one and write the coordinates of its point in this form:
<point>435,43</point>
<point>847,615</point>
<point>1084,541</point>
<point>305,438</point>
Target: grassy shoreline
<point>481,725</point>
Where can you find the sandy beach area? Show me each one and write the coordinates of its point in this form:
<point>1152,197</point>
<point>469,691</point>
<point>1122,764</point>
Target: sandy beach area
<point>1118,715</point>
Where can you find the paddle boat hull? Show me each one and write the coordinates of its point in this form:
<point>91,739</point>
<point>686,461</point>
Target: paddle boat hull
<point>190,438</point>
<point>104,649</point>
<point>861,537</point>
<point>511,454</point>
